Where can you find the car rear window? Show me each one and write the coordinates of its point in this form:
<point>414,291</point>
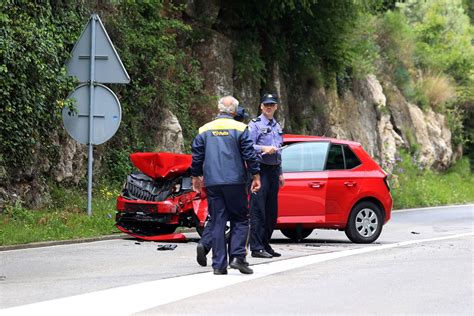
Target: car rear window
<point>307,156</point>
<point>351,159</point>
<point>341,157</point>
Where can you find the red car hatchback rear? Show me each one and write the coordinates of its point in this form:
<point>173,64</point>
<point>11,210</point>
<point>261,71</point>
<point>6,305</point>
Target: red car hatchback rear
<point>331,183</point>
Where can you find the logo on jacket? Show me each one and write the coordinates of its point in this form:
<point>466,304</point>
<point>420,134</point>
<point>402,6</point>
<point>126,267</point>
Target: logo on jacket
<point>220,133</point>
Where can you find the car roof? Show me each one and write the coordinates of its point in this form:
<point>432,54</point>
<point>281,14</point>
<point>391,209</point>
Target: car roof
<point>294,138</point>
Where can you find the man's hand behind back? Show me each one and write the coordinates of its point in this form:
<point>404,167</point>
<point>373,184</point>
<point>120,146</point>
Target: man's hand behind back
<point>255,183</point>
<point>197,184</point>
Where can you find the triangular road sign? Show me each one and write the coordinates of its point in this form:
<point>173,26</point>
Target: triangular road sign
<point>108,66</point>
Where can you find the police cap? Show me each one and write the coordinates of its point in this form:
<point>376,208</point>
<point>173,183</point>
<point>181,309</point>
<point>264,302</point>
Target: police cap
<point>269,98</point>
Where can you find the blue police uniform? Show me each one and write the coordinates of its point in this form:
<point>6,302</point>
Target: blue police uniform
<point>264,203</point>
<point>219,152</point>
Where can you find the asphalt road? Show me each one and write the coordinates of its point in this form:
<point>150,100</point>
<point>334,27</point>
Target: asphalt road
<point>421,264</point>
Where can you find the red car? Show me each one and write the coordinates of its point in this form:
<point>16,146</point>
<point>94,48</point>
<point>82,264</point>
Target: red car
<point>329,183</point>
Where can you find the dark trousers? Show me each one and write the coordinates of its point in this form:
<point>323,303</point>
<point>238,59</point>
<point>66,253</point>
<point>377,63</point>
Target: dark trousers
<point>264,208</point>
<point>206,238</point>
<point>228,203</point>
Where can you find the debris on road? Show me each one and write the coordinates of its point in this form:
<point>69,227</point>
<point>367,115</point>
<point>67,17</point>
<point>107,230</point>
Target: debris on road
<point>167,247</point>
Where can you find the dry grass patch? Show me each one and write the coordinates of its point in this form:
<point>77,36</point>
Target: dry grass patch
<point>437,88</point>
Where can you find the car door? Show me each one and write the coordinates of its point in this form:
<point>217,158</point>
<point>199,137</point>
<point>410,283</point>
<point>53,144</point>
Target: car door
<point>302,199</point>
<point>345,178</point>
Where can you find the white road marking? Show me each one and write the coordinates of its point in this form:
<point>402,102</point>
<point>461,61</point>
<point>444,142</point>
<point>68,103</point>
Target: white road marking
<point>135,298</point>
<point>430,208</point>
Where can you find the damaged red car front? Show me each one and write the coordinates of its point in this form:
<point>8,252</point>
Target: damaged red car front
<point>159,198</point>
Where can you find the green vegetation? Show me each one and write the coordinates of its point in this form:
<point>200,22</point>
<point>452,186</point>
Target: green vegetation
<point>424,47</point>
<point>152,41</point>
<point>414,186</point>
<point>34,43</point>
<point>428,46</point>
<point>65,219</point>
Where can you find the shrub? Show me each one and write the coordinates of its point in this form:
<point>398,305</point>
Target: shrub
<point>436,90</point>
<point>34,44</point>
<point>363,48</point>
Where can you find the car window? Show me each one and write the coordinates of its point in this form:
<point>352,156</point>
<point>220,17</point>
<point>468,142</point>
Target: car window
<point>335,158</point>
<point>351,159</point>
<point>308,156</point>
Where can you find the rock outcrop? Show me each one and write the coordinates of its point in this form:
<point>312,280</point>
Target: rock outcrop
<point>169,135</point>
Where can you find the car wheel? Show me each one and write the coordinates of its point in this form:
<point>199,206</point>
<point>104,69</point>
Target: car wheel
<point>292,233</point>
<point>365,223</point>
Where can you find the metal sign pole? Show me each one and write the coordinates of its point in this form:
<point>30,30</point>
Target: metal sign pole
<point>93,61</point>
<point>91,117</point>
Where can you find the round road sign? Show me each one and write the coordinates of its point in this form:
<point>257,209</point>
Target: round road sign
<point>107,114</point>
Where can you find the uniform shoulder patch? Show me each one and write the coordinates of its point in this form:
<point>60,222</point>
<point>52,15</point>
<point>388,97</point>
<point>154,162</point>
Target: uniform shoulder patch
<point>257,119</point>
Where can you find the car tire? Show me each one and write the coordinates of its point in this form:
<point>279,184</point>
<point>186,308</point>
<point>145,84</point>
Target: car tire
<point>292,233</point>
<point>365,223</point>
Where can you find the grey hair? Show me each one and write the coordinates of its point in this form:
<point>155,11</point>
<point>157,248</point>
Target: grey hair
<point>228,104</point>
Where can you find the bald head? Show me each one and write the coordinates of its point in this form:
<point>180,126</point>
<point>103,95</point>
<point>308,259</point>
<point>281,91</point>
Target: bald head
<point>228,104</point>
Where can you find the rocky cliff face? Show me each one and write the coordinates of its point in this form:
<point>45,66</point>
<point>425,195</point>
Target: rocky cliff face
<point>371,111</point>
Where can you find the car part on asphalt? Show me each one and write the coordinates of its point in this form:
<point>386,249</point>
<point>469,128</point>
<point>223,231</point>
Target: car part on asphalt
<point>167,247</point>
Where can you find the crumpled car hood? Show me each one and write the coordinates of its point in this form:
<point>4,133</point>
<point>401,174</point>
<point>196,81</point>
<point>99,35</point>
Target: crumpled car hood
<point>161,165</point>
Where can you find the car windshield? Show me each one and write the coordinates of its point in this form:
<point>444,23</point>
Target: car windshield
<point>304,156</point>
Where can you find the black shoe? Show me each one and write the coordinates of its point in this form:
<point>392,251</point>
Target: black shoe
<point>220,271</point>
<point>261,254</point>
<point>201,252</point>
<point>243,260</point>
<point>273,253</point>
<point>239,264</point>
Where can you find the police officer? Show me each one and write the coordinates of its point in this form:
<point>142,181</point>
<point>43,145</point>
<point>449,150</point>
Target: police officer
<point>205,244</point>
<point>267,136</point>
<point>219,153</point>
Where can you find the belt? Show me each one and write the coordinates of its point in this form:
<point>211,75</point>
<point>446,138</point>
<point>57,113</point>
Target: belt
<point>272,167</point>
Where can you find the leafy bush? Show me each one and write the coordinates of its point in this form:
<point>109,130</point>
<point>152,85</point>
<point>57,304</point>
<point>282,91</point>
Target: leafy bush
<point>396,39</point>
<point>154,46</point>
<point>162,71</point>
<point>117,165</point>
<point>248,61</point>
<point>34,44</point>
<point>363,49</point>
<point>397,45</point>
<point>444,36</point>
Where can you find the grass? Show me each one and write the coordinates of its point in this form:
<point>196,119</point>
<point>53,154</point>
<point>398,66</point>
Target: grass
<point>67,217</point>
<point>413,186</point>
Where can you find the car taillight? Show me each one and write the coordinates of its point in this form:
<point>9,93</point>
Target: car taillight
<point>386,183</point>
